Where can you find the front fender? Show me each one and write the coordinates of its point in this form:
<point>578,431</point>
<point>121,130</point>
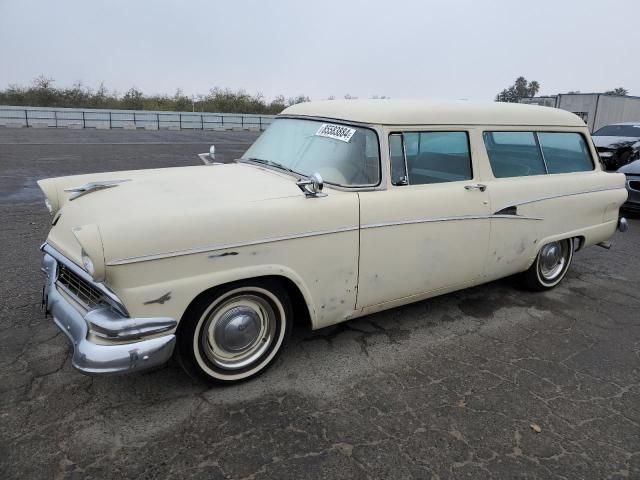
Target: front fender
<point>171,298</point>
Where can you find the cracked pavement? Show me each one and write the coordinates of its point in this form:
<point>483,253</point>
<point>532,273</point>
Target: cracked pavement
<point>444,388</point>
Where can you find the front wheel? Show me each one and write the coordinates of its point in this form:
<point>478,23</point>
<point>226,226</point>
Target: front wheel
<point>550,266</point>
<point>235,332</point>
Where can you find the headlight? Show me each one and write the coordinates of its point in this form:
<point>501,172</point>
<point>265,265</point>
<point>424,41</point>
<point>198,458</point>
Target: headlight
<point>92,253</point>
<point>88,264</point>
<point>50,190</point>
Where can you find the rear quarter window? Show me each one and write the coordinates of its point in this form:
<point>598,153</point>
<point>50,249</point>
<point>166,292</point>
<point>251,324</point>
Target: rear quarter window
<point>514,154</point>
<point>519,154</point>
<point>565,152</point>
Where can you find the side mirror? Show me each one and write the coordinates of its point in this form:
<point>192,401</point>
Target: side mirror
<point>212,152</point>
<point>312,186</point>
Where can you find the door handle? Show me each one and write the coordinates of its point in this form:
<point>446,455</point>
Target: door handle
<point>478,186</point>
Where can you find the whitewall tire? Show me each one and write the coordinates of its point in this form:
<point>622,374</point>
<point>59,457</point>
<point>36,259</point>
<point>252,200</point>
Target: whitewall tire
<point>235,332</point>
<point>550,266</point>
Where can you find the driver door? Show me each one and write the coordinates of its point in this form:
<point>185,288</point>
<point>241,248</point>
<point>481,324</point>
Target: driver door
<point>429,231</point>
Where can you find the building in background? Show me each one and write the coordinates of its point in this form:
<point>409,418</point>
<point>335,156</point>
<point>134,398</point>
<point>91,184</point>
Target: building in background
<point>596,109</point>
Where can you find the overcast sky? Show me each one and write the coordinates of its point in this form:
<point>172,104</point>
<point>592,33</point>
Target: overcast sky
<point>402,49</point>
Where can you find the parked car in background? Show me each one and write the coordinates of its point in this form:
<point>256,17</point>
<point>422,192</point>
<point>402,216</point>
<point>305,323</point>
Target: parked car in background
<point>338,210</point>
<point>618,144</point>
<point>632,172</point>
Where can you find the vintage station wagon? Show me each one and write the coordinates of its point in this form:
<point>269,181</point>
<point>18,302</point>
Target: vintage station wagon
<point>338,210</point>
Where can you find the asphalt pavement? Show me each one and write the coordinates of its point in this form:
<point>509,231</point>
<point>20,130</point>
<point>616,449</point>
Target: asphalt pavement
<point>488,382</point>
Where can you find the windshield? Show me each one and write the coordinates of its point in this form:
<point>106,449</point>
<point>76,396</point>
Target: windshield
<point>342,154</point>
<point>619,131</point>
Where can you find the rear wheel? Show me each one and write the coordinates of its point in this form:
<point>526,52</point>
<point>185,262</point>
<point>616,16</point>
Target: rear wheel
<point>550,266</point>
<point>235,332</point>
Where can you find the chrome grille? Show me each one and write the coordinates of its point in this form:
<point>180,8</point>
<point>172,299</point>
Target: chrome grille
<point>634,185</point>
<point>85,293</point>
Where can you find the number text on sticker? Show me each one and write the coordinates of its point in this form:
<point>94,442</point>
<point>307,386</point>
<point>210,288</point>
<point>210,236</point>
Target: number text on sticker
<point>337,132</point>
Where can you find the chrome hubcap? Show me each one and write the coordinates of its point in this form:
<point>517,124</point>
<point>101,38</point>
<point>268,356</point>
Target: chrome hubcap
<point>238,331</point>
<point>552,260</point>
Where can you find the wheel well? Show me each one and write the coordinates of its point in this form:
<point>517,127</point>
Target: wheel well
<point>580,241</point>
<point>300,309</point>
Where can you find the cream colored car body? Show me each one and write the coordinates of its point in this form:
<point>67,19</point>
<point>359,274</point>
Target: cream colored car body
<point>170,234</point>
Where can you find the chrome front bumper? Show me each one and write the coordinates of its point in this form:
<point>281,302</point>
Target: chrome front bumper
<point>97,359</point>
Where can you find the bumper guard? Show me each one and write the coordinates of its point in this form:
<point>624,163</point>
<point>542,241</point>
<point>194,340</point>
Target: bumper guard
<point>96,359</point>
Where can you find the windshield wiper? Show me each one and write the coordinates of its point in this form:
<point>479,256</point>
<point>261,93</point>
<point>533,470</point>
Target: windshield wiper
<point>271,163</point>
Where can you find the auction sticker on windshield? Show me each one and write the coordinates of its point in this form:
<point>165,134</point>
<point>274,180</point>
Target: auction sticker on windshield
<point>337,132</point>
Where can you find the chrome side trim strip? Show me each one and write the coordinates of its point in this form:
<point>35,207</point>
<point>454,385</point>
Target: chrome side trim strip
<point>445,219</point>
<point>550,197</point>
<point>214,248</point>
<point>517,217</point>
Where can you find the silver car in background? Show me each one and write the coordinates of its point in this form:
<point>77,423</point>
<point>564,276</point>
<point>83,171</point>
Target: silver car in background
<point>632,172</point>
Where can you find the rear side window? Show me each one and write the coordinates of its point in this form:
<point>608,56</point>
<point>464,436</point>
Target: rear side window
<point>514,154</point>
<point>518,154</point>
<point>565,152</point>
<point>437,157</point>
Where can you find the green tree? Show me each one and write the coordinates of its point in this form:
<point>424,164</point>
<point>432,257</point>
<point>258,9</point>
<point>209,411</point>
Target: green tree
<point>181,102</point>
<point>277,104</point>
<point>298,99</point>
<point>42,93</point>
<point>520,89</point>
<point>133,99</point>
<point>617,92</point>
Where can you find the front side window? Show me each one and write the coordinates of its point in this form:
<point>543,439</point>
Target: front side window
<point>514,154</point>
<point>430,157</point>
<point>565,152</point>
<point>396,155</point>
<point>342,154</point>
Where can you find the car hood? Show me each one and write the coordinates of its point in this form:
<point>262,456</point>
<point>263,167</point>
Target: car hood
<point>614,142</point>
<point>166,209</point>
<point>632,168</point>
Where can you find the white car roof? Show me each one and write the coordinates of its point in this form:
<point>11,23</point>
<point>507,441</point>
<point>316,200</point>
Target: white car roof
<point>421,112</point>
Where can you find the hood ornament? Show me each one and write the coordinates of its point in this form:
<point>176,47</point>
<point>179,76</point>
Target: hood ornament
<point>92,187</point>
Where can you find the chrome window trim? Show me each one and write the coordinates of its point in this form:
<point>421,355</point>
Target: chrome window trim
<point>112,297</point>
<point>402,133</point>
<point>382,179</point>
<point>586,139</point>
<point>539,145</point>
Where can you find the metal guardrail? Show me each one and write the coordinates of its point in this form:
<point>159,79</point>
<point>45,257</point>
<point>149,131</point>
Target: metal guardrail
<point>129,119</point>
